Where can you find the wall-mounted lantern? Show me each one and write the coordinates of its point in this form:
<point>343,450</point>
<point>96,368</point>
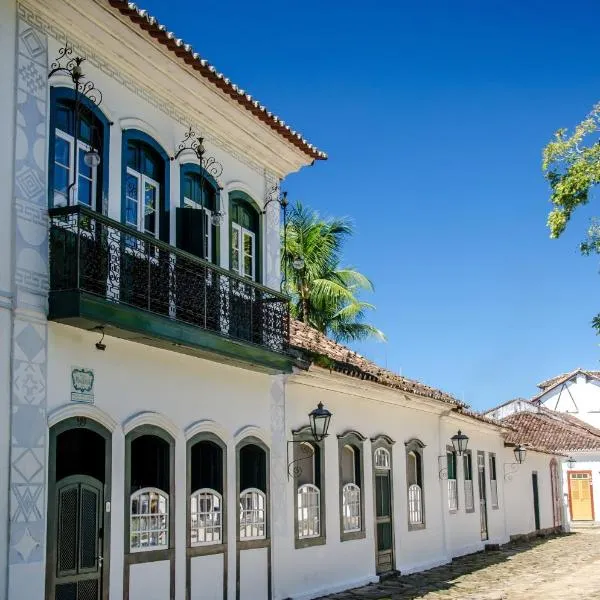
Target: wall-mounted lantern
<point>571,462</point>
<point>319,419</point>
<point>510,469</point>
<point>459,442</point>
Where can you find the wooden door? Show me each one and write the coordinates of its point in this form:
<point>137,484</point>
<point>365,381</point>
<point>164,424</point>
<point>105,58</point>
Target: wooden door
<point>384,522</point>
<point>77,542</point>
<point>536,499</point>
<point>581,495</point>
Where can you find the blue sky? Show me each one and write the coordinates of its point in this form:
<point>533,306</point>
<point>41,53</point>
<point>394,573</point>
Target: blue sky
<point>434,115</point>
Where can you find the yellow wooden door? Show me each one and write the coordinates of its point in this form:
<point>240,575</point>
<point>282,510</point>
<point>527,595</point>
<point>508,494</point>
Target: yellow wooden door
<point>580,490</point>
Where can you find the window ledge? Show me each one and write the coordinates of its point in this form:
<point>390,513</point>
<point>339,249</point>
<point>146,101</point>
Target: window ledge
<point>470,510</point>
<point>453,512</point>
<point>352,535</point>
<point>243,544</point>
<point>206,550</point>
<point>308,542</point>
<point>144,556</point>
<point>416,526</point>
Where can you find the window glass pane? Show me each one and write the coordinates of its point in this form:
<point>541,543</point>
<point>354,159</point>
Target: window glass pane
<point>61,180</point>
<point>83,168</point>
<point>411,474</point>
<point>132,155</point>
<point>84,191</point>
<point>150,205</point>
<point>150,164</point>
<point>62,151</point>
<point>131,200</point>
<point>248,266</point>
<point>248,246</point>
<point>85,131</point>
<point>348,469</point>
<point>64,118</point>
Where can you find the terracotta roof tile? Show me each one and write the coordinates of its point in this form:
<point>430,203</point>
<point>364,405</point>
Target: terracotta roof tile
<point>186,53</point>
<point>552,431</point>
<point>343,360</point>
<point>544,385</point>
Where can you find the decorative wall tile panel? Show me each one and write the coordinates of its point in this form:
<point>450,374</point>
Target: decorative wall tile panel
<point>28,427</point>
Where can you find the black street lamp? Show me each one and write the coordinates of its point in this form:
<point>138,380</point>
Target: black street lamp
<point>520,454</point>
<point>319,422</point>
<point>319,419</point>
<point>459,442</point>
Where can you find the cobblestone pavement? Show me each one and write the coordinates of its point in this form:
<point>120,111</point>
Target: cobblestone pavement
<point>555,568</point>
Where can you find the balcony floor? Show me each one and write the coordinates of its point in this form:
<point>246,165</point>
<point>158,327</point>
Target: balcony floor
<point>88,312</point>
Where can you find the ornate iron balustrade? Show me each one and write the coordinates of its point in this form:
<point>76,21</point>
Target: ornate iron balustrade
<point>96,255</point>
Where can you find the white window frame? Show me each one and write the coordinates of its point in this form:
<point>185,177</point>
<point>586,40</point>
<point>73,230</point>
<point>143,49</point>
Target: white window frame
<point>163,516</point>
<point>207,527</point>
<point>351,508</point>
<point>142,181</point>
<point>415,504</point>
<point>309,511</point>
<point>252,517</point>
<point>382,459</point>
<point>239,232</point>
<point>73,168</point>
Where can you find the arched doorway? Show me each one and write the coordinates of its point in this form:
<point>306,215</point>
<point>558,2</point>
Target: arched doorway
<point>78,511</point>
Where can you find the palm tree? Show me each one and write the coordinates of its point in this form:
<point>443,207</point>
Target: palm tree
<point>323,293</point>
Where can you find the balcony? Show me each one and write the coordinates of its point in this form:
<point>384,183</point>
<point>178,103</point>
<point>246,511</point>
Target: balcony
<point>105,274</point>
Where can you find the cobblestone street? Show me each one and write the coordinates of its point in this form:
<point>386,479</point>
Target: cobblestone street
<point>554,568</point>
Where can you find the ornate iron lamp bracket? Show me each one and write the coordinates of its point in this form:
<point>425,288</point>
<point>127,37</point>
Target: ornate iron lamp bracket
<point>443,466</point>
<point>67,64</point>
<point>294,470</point>
<point>194,142</point>
<point>509,470</point>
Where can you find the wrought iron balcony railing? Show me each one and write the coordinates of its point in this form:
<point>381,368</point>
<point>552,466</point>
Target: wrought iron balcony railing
<point>95,255</point>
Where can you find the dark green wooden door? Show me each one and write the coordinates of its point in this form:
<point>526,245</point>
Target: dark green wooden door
<point>536,499</point>
<point>383,521</point>
<point>77,539</point>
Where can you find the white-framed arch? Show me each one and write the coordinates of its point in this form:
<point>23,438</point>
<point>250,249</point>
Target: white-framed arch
<point>207,426</point>
<point>252,431</point>
<point>134,123</point>
<point>88,411</point>
<point>235,185</point>
<point>59,81</point>
<point>148,417</point>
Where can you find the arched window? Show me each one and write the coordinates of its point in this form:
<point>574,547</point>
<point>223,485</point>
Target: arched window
<point>206,487</point>
<point>199,200</point>
<point>414,484</point>
<point>382,458</point>
<point>308,471</point>
<point>149,457</point>
<point>149,524</point>
<point>77,136</point>
<point>350,449</point>
<point>145,201</point>
<point>206,523</point>
<point>253,514</point>
<point>309,511</point>
<point>253,480</point>
<point>245,236</point>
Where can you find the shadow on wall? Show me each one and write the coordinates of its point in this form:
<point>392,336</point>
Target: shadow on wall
<point>417,585</point>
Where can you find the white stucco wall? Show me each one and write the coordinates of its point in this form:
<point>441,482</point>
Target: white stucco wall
<point>131,378</point>
<point>445,535</point>
<point>518,492</point>
<point>579,396</point>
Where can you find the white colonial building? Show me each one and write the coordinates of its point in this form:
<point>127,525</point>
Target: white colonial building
<point>563,417</point>
<point>154,403</point>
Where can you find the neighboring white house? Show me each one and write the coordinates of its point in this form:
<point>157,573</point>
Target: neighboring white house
<point>562,418</point>
<point>153,401</point>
